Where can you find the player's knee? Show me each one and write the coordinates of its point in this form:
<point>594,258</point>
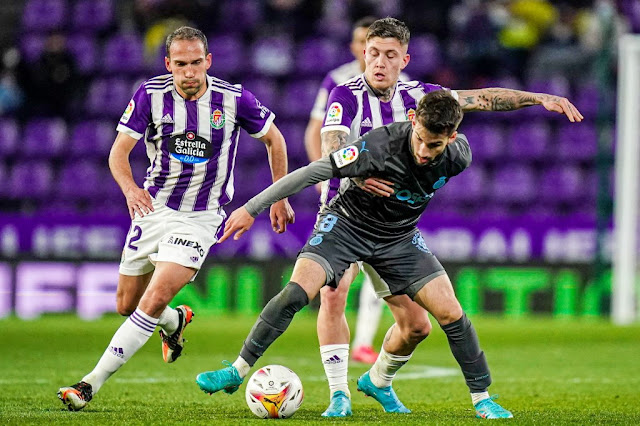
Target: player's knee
<point>333,300</point>
<point>124,307</point>
<point>451,314</point>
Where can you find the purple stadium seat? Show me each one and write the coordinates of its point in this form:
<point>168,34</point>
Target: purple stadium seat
<point>576,142</point>
<point>293,133</point>
<point>228,54</point>
<point>30,180</point>
<point>266,90</point>
<point>561,184</point>
<point>587,100</point>
<point>468,187</point>
<point>123,53</point>
<point>84,50</point>
<point>298,98</point>
<point>4,176</point>
<point>425,55</point>
<point>273,56</point>
<point>9,136</point>
<point>317,56</point>
<point>108,97</point>
<point>486,140</point>
<point>31,46</point>
<point>92,139</point>
<point>250,149</point>
<point>93,15</point>
<point>557,85</point>
<point>80,180</point>
<point>513,185</point>
<point>529,140</point>
<point>240,15</point>
<point>44,137</point>
<point>44,15</point>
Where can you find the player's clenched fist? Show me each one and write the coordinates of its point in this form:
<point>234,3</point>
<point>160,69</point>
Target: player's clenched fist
<point>138,201</point>
<point>240,221</point>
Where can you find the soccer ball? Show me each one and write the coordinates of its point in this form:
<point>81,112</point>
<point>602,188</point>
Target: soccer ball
<point>274,392</point>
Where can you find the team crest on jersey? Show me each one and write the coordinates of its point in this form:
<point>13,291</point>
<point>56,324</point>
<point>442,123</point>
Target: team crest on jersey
<point>411,114</point>
<point>345,156</point>
<point>127,112</point>
<point>334,114</point>
<point>217,119</point>
<point>190,148</point>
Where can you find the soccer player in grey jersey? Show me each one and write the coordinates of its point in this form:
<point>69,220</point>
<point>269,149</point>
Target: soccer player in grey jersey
<point>370,100</point>
<point>420,157</point>
<point>190,123</point>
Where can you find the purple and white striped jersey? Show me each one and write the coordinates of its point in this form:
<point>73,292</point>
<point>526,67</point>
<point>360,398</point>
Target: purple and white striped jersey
<point>355,109</point>
<point>192,144</point>
<point>332,79</point>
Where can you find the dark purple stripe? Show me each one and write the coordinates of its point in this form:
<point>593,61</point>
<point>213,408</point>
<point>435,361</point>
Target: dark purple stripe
<point>366,113</point>
<point>141,325</point>
<point>167,129</point>
<point>408,101</point>
<point>216,137</point>
<point>386,112</point>
<point>175,199</point>
<point>231,160</point>
<point>143,319</point>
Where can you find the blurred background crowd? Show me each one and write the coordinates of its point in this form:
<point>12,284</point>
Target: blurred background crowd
<point>69,68</point>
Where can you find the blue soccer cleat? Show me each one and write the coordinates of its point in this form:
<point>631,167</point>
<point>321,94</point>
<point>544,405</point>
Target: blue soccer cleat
<point>489,409</point>
<point>226,379</point>
<point>385,396</point>
<point>340,406</point>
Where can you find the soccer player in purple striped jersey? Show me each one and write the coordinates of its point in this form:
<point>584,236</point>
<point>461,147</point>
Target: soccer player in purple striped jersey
<point>368,101</point>
<point>189,122</point>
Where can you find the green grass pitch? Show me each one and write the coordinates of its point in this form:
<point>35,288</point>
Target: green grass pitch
<point>545,371</point>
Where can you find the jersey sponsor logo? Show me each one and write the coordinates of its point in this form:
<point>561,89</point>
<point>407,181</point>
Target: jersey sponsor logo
<point>127,112</point>
<point>190,148</point>
<point>366,123</point>
<point>178,241</point>
<point>334,114</point>
<point>440,182</point>
<point>412,197</point>
<point>411,114</point>
<point>217,119</point>
<point>345,156</point>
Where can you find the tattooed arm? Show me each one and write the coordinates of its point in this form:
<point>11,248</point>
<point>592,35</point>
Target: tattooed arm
<point>499,99</point>
<point>332,140</point>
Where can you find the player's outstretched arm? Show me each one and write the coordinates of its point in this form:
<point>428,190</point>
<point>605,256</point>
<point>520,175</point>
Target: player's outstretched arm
<point>281,212</point>
<point>138,199</point>
<point>499,99</point>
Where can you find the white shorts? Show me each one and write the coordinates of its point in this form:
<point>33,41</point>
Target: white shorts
<point>167,235</point>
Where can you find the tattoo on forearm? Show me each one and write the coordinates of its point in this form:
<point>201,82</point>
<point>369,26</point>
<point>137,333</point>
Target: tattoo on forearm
<point>332,140</point>
<point>496,99</point>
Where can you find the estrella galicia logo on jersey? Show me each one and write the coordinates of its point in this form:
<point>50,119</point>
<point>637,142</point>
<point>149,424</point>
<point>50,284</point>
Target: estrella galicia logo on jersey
<point>440,182</point>
<point>217,119</point>
<point>190,148</point>
<point>418,241</point>
<point>179,241</point>
<point>334,114</point>
<point>316,240</point>
<point>411,114</point>
<point>127,112</point>
<point>345,156</point>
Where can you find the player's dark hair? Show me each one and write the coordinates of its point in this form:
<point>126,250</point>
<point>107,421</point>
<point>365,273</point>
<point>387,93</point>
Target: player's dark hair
<point>390,28</point>
<point>439,112</point>
<point>364,22</point>
<point>187,33</point>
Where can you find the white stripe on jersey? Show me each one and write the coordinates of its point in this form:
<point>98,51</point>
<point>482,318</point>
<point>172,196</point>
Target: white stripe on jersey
<point>230,110</point>
<point>154,149</point>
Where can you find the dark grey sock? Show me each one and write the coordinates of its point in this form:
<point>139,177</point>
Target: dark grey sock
<point>465,347</point>
<point>273,321</point>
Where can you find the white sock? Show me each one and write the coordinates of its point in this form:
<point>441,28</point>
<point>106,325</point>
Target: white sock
<point>130,337</point>
<point>479,396</point>
<point>369,313</point>
<point>385,368</point>
<point>169,320</point>
<point>335,359</point>
<point>242,366</point>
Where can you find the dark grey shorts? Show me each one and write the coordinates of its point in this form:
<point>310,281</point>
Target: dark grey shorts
<point>405,264</point>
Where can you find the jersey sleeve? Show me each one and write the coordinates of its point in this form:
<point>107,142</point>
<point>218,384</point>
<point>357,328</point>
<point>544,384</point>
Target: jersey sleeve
<point>252,116</point>
<point>341,111</point>
<point>363,157</point>
<point>136,117</point>
<point>429,87</point>
<point>320,104</point>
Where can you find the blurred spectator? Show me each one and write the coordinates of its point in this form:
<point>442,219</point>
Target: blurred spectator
<point>11,96</point>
